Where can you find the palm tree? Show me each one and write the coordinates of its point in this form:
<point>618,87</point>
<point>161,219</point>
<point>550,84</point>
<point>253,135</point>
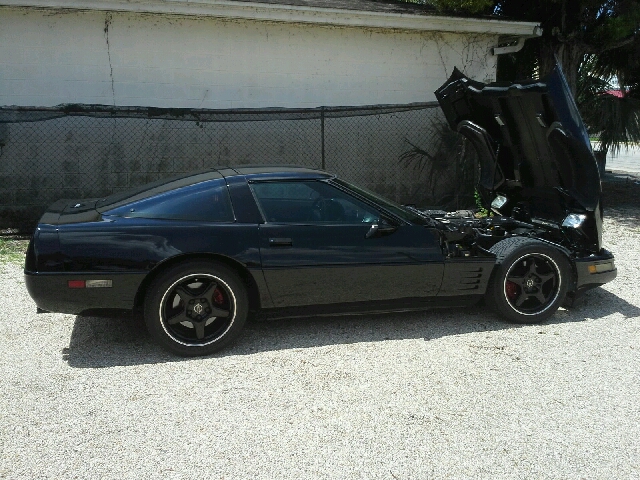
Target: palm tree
<point>614,119</point>
<point>447,165</point>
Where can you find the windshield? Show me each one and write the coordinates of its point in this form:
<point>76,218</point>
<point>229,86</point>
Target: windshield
<point>385,203</point>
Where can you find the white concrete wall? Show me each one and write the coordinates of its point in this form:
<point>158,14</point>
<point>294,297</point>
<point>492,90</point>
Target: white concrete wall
<point>53,57</point>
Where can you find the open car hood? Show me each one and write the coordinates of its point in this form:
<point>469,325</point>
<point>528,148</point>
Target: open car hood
<point>527,135</point>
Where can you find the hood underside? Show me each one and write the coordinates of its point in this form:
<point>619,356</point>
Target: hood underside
<point>529,136</point>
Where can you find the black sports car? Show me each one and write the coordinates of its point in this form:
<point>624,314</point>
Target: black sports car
<point>198,253</point>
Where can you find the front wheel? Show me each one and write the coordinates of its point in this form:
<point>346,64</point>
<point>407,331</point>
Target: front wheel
<point>196,308</point>
<point>530,280</point>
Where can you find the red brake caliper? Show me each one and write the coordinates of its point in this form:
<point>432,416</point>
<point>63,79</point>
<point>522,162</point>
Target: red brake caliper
<point>218,297</point>
<point>511,289</point>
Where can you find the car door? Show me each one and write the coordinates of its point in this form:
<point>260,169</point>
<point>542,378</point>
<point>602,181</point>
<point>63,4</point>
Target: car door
<point>318,246</point>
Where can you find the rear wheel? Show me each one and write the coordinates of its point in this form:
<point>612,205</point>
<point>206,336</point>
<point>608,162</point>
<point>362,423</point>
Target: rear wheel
<point>196,308</point>
<point>530,280</point>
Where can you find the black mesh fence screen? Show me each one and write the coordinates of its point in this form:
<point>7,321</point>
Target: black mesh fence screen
<point>405,152</point>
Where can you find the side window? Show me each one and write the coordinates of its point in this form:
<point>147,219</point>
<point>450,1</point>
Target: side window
<point>206,201</point>
<point>310,202</point>
<point>300,191</point>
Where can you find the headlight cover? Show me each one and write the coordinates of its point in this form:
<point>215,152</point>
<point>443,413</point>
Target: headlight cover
<point>498,202</point>
<point>574,220</point>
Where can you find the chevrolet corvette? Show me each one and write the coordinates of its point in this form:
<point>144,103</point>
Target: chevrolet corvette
<point>196,254</point>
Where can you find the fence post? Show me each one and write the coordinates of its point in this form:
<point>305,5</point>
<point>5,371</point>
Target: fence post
<point>322,133</point>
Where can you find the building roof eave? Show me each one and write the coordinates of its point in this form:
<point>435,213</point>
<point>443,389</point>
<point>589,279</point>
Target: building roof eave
<point>281,12</point>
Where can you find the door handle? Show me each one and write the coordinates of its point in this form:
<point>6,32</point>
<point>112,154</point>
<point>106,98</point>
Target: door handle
<point>280,242</point>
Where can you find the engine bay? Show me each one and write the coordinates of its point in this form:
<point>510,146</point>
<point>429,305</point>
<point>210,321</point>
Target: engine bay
<point>469,233</point>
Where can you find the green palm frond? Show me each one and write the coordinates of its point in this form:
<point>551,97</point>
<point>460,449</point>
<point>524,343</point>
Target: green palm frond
<point>615,120</point>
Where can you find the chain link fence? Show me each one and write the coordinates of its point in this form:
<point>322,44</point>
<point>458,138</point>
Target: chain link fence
<point>405,152</point>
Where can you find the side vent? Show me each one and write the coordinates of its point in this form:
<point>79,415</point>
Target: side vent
<point>462,277</point>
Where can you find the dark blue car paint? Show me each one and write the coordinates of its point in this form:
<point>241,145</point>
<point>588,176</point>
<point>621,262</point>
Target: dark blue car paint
<point>315,269</point>
<point>287,268</point>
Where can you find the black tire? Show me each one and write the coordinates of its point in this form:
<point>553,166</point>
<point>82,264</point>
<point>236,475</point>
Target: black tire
<point>196,308</point>
<point>530,280</point>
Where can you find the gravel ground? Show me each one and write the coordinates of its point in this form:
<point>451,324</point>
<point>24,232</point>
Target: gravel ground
<point>440,394</point>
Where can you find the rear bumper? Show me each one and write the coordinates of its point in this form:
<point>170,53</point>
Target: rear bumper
<point>594,271</point>
<point>51,291</point>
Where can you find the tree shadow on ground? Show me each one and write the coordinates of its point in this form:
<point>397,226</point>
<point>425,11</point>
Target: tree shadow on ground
<point>620,191</point>
<point>124,341</point>
<point>625,216</point>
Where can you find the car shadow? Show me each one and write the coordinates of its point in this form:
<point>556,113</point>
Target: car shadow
<point>124,341</point>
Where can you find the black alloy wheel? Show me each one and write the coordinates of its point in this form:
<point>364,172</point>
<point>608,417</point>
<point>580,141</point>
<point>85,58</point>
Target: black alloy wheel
<point>196,308</point>
<point>531,284</point>
<point>530,280</point>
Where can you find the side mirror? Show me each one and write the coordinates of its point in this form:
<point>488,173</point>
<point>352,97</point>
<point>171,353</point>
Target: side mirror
<point>380,229</point>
